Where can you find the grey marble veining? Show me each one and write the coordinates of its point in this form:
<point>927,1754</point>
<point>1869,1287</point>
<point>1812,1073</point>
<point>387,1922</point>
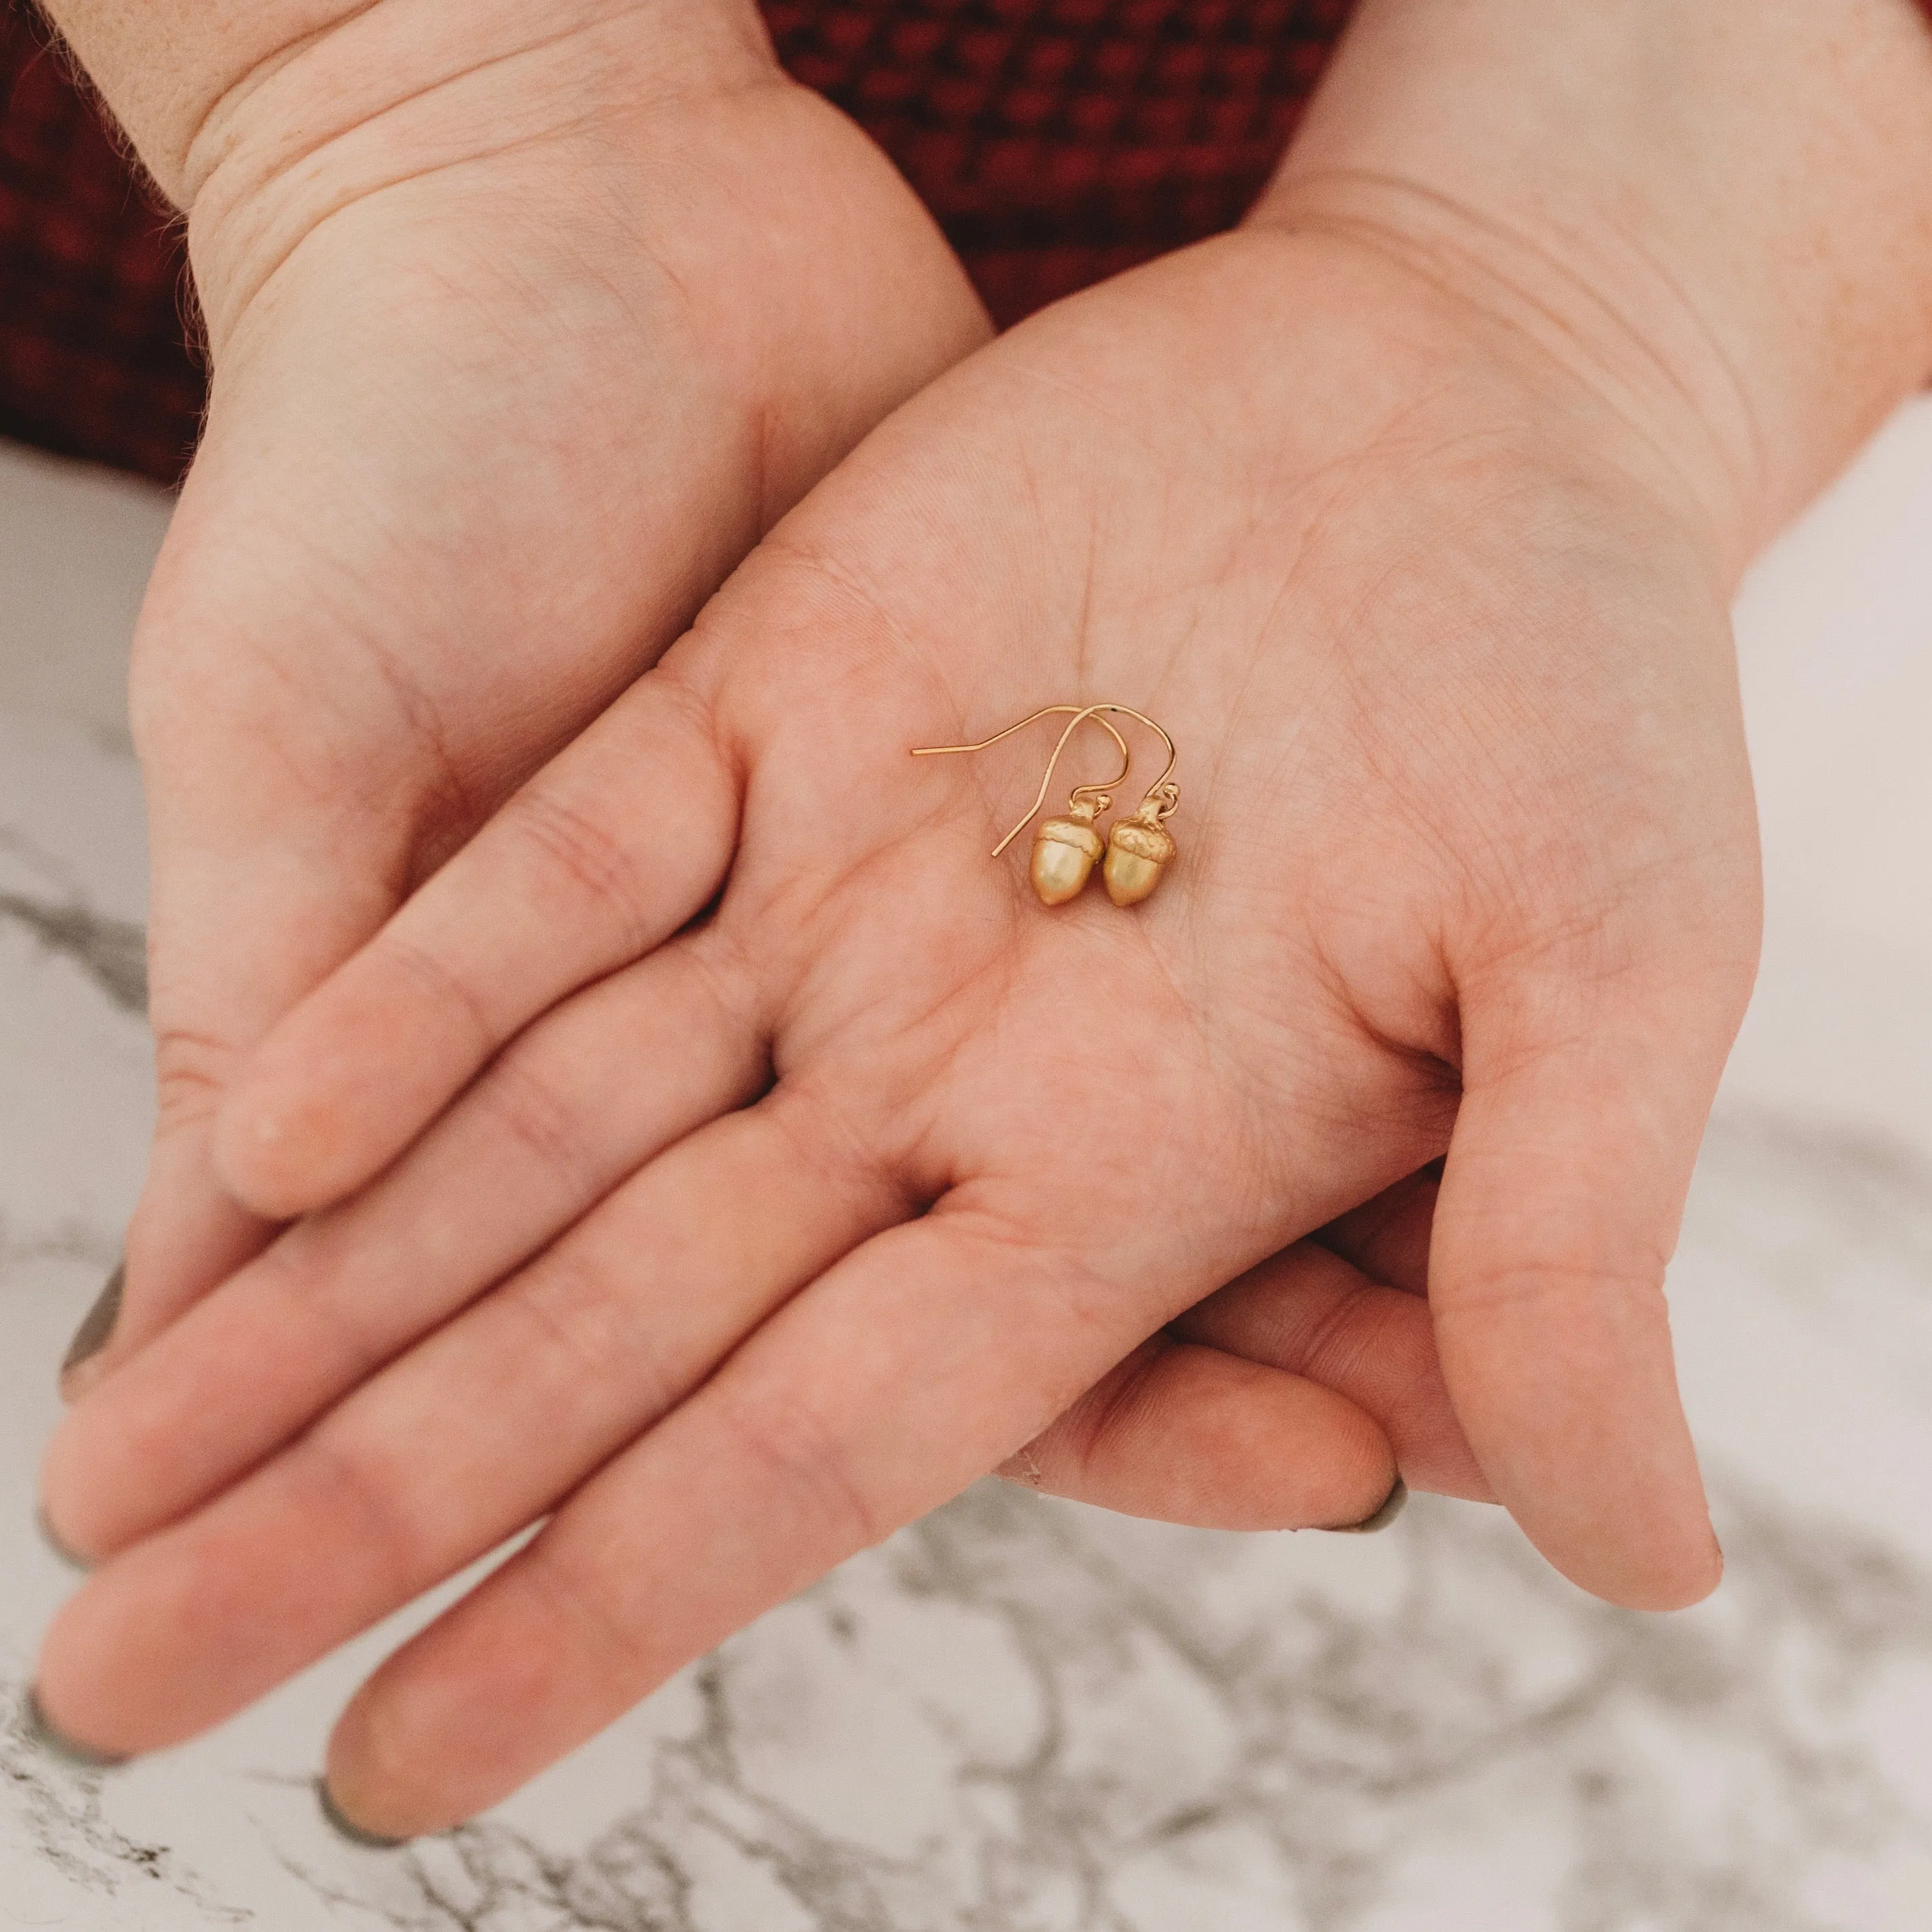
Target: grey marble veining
<point>1093,1744</point>
<point>1022,1716</point>
<point>112,951</point>
<point>59,1815</point>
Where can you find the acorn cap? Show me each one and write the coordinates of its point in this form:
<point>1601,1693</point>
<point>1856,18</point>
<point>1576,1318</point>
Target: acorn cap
<point>1075,832</point>
<point>1151,842</point>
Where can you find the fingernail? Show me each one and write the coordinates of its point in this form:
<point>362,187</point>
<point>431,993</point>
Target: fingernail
<point>41,1732</point>
<point>53,1542</point>
<point>346,1827</point>
<point>1391,1508</point>
<point>91,1337</point>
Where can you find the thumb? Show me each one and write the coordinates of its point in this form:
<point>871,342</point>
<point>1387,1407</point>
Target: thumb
<point>1584,1104</point>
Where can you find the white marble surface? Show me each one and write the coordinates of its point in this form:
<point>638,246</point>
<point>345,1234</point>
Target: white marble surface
<point>1024,1717</point>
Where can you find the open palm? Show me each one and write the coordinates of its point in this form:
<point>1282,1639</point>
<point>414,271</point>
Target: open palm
<point>861,1165</point>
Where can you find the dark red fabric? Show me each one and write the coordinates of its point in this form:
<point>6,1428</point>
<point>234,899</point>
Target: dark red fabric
<point>94,346</point>
<point>1057,141</point>
<point>1060,141</point>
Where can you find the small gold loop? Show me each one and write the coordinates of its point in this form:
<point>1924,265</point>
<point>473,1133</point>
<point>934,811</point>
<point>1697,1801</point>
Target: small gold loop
<point>1101,793</point>
<point>1163,801</point>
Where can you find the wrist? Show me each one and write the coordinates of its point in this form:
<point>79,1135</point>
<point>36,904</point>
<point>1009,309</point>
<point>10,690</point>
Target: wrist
<point>258,122</point>
<point>1719,217</point>
<point>1592,376</point>
<point>177,73</point>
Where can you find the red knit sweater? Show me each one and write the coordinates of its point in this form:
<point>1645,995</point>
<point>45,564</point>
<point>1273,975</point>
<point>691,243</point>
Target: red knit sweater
<point>1057,141</point>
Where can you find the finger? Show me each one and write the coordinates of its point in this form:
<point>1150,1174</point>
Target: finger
<point>574,1105</point>
<point>1185,1433</point>
<point>1560,1204</point>
<point>249,908</point>
<point>599,859</point>
<point>467,1439</point>
<point>1387,1238</point>
<point>920,1361</point>
<point>186,1234</point>
<point>1263,1405</point>
<point>1306,1312</point>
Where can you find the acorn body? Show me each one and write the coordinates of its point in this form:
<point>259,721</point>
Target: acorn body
<point>1065,851</point>
<point>1139,850</point>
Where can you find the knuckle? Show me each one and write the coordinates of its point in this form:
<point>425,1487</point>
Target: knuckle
<point>318,1313</point>
<point>353,1492</point>
<point>803,1456</point>
<point>192,1071</point>
<point>1337,1337</point>
<point>582,1321</point>
<point>1530,1286</point>
<point>438,985</point>
<point>589,861</point>
<point>580,1599</point>
<point>524,1105</point>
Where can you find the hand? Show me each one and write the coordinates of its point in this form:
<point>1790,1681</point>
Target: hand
<point>870,1172</point>
<point>1203,1423</point>
<point>500,396</point>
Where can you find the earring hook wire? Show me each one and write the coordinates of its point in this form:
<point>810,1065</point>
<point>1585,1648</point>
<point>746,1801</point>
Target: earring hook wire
<point>1161,789</point>
<point>1103,793</point>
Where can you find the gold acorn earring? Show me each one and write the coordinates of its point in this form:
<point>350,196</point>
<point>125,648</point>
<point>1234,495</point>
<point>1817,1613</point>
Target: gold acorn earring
<point>1139,850</point>
<point>1065,850</point>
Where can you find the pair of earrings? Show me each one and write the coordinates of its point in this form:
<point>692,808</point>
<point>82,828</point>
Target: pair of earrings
<point>1137,851</point>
